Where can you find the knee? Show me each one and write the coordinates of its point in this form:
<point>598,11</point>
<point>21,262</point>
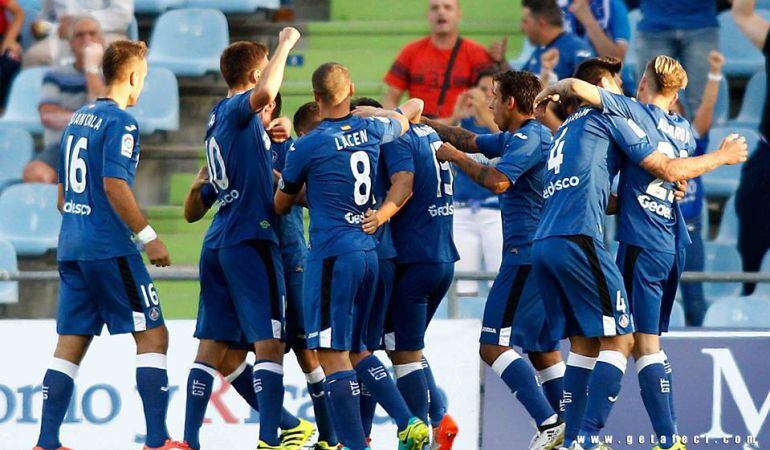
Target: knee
<point>334,361</point>
<point>645,344</point>
<point>307,359</point>
<point>406,357</point>
<point>490,353</point>
<point>544,360</point>
<point>271,350</point>
<point>231,361</point>
<point>152,341</point>
<point>38,172</point>
<point>622,344</point>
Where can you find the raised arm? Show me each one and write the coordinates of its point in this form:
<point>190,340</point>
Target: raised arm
<point>704,116</point>
<point>732,151</point>
<point>370,111</point>
<point>459,137</point>
<point>412,109</point>
<point>569,87</point>
<point>603,43</point>
<point>749,22</point>
<point>486,176</point>
<point>392,97</point>
<point>272,77</point>
<point>194,205</point>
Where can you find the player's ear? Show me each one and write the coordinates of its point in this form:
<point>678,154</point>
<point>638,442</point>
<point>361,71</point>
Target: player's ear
<point>316,97</point>
<point>134,78</point>
<point>254,76</point>
<point>511,103</point>
<point>352,89</point>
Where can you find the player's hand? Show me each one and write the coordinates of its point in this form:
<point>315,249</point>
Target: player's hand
<point>366,111</point>
<point>680,190</point>
<point>447,152</point>
<point>92,56</point>
<point>279,129</point>
<point>157,253</point>
<point>549,59</point>
<point>734,149</point>
<point>289,35</point>
<point>498,49</point>
<point>716,61</point>
<point>581,9</point>
<point>201,178</point>
<point>12,48</point>
<point>371,222</point>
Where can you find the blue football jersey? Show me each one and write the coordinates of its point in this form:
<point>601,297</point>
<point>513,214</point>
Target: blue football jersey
<point>422,229</point>
<point>240,165</point>
<point>693,202</point>
<point>582,161</point>
<point>572,51</point>
<point>101,140</point>
<point>291,226</point>
<point>645,202</point>
<point>522,159</point>
<point>467,191</point>
<point>338,163</point>
<point>385,248</point>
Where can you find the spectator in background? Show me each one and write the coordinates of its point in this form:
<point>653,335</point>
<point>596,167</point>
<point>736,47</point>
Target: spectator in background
<point>558,52</point>
<point>693,203</point>
<point>57,19</point>
<point>752,200</point>
<point>683,29</point>
<point>66,89</point>
<point>478,226</point>
<point>437,68</point>
<point>10,49</point>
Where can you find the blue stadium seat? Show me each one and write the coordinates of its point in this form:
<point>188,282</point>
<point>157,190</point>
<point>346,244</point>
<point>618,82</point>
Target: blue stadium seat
<point>158,107</point>
<point>742,58</point>
<point>9,290</point>
<point>526,52</point>
<point>234,6</point>
<point>677,316</point>
<point>721,257</point>
<point>133,30</point>
<point>21,111</point>
<point>739,312</point>
<point>16,149</point>
<point>722,107</point>
<point>728,224</point>
<point>155,6</point>
<point>189,41</point>
<point>630,62</point>
<point>33,4</point>
<point>723,182</point>
<point>33,227</point>
<point>752,104</point>
<point>705,226</point>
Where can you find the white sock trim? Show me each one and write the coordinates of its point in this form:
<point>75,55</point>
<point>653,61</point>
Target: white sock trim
<point>551,373</point>
<point>269,366</point>
<point>664,356</point>
<point>584,362</point>
<point>65,367</point>
<point>316,376</point>
<point>504,360</point>
<point>204,368</point>
<point>153,360</point>
<point>613,357</point>
<point>237,372</point>
<point>403,370</point>
<point>647,360</point>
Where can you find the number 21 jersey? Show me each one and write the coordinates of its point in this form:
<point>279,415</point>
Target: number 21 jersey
<point>101,140</point>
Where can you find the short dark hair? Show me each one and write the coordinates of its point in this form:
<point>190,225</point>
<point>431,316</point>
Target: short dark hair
<point>278,104</point>
<point>594,69</point>
<point>483,74</point>
<point>547,10</point>
<point>117,59</point>
<point>307,117</point>
<point>522,86</point>
<point>364,101</point>
<point>330,82</point>
<point>239,59</point>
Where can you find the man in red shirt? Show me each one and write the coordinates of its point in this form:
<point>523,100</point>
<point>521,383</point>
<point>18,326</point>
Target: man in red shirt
<point>422,66</point>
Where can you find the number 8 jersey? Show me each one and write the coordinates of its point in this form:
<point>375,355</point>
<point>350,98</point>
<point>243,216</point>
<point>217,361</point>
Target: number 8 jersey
<point>101,140</point>
<point>338,162</point>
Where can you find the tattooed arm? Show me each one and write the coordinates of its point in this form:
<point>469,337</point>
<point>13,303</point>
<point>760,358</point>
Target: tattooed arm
<point>486,176</point>
<point>461,138</point>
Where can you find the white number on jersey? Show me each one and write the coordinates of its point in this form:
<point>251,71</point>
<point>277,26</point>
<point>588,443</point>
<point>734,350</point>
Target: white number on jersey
<point>75,168</point>
<point>620,303</point>
<point>555,155</point>
<point>216,164</point>
<point>361,169</point>
<point>657,187</point>
<point>150,295</point>
<point>442,167</point>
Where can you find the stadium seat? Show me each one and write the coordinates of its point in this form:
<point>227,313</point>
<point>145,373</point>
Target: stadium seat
<point>677,316</point>
<point>723,182</point>
<point>16,149</point>
<point>705,226</point>
<point>155,6</point>
<point>234,6</point>
<point>721,257</point>
<point>722,107</point>
<point>9,290</point>
<point>133,30</point>
<point>33,227</point>
<point>21,111</point>
<point>158,107</point>
<point>742,58</point>
<point>752,104</point>
<point>189,41</point>
<point>739,312</point>
<point>630,62</point>
<point>526,52</point>
<point>31,4</point>
<point>728,224</point>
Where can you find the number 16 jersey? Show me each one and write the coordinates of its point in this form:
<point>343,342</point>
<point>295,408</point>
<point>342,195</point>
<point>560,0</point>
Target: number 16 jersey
<point>338,162</point>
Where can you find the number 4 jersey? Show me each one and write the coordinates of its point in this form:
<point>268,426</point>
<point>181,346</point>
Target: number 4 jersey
<point>338,162</point>
<point>101,140</point>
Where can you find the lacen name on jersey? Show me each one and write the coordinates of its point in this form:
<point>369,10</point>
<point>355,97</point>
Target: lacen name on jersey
<point>355,139</point>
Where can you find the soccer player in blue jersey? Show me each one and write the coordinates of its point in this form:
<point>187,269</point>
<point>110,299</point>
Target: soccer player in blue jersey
<point>652,231</point>
<point>514,313</point>
<point>242,285</point>
<point>103,278</point>
<point>337,162</point>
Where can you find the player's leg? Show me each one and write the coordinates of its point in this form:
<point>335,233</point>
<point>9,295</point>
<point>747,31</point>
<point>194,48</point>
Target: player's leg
<point>550,369</point>
<point>577,375</point>
<point>77,321</point>
<point>152,382</point>
<point>469,248</point>
<point>200,382</point>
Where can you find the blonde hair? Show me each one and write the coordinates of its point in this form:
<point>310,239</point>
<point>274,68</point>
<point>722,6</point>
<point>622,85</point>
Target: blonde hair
<point>665,75</point>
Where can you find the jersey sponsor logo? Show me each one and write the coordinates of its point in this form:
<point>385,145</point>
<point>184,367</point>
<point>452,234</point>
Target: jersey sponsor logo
<point>445,210</point>
<point>80,209</point>
<point>559,185</point>
<point>661,209</point>
<point>355,139</point>
<point>354,218</point>
<point>229,198</point>
<point>127,145</point>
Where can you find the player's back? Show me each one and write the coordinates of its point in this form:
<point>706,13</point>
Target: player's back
<point>422,229</point>
<point>383,235</point>
<point>291,230</point>
<point>241,172</point>
<point>101,140</point>
<point>576,185</point>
